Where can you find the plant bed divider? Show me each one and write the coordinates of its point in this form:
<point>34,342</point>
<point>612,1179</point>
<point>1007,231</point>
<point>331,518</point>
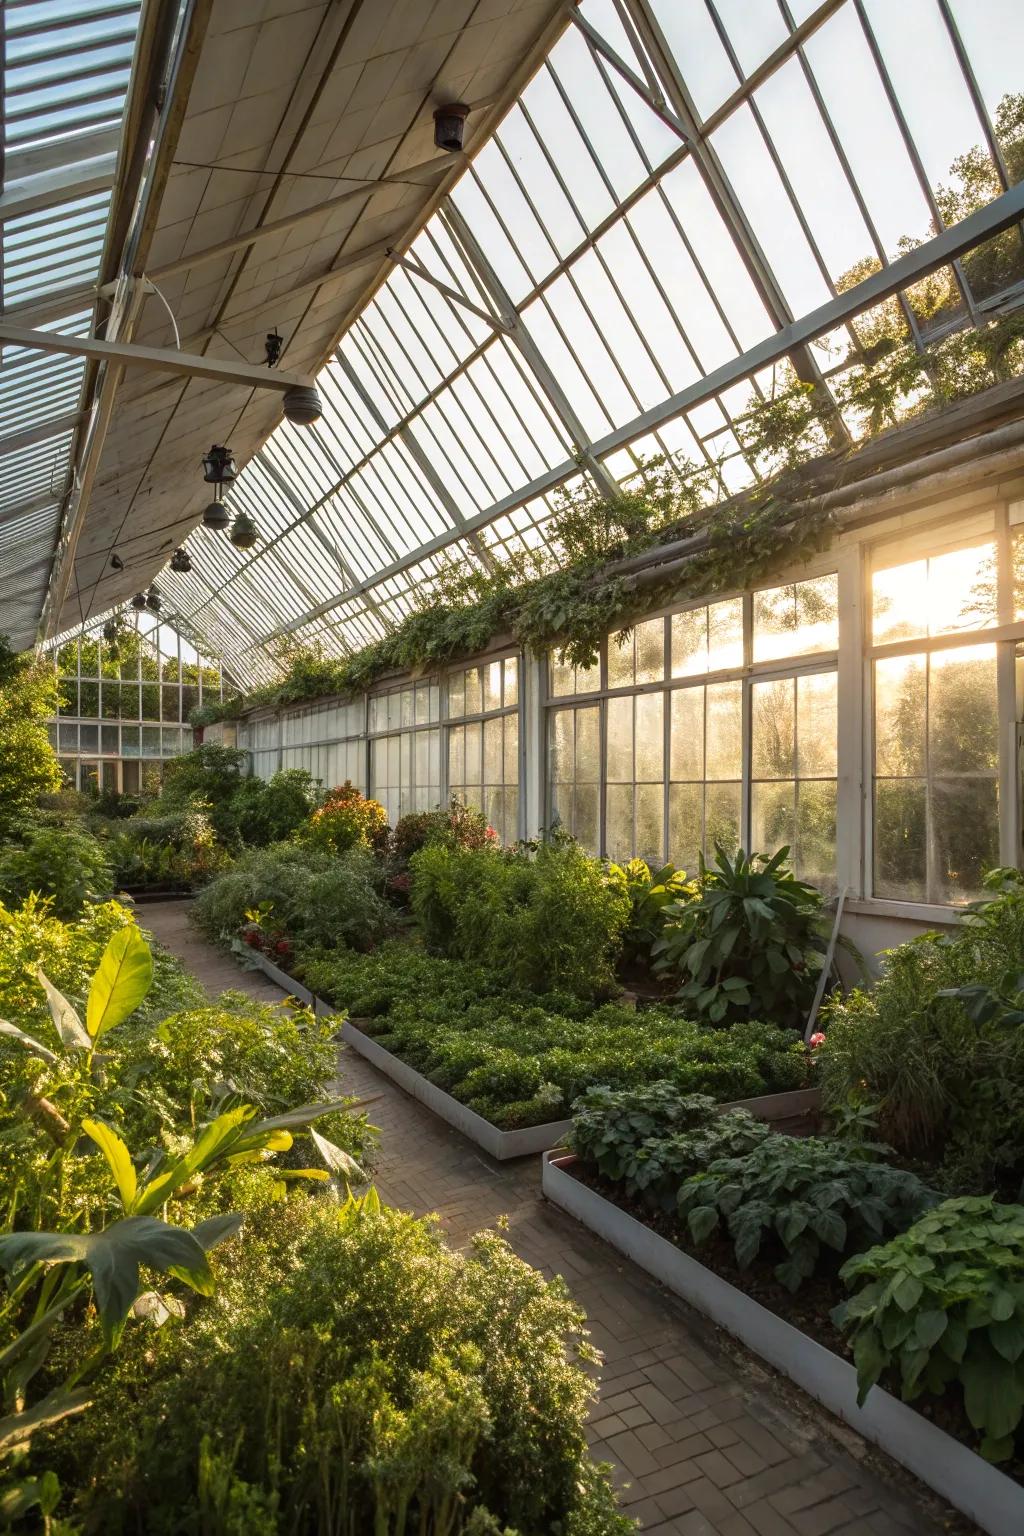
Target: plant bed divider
<point>500,1144</point>
<point>979,1490</point>
<point>796,1111</point>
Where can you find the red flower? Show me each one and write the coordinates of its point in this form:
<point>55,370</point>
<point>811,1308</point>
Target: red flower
<point>283,947</point>
<point>816,1040</point>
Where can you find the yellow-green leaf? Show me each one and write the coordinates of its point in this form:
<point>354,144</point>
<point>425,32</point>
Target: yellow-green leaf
<point>124,976</point>
<point>119,1159</point>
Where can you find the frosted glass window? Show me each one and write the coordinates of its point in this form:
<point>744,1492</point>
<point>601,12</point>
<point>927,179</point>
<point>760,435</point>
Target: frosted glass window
<point>705,771</point>
<point>797,619</point>
<point>937,595</point>
<point>793,772</point>
<point>483,754</point>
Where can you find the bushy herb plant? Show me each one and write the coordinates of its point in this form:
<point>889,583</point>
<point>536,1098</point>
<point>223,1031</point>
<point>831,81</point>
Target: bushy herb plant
<point>542,920</point>
<point>650,1139</point>
<point>63,863</point>
<point>945,1077</point>
<point>519,1058</point>
<point>457,826</point>
<point>748,944</point>
<point>312,894</point>
<point>942,1306</point>
<point>353,1374</point>
<point>810,1200</point>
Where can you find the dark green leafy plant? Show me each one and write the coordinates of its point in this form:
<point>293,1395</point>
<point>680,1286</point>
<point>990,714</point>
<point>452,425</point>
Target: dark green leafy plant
<point>28,763</point>
<point>650,1139</point>
<point>937,1048</point>
<point>810,1199</point>
<point>748,944</point>
<point>459,826</point>
<point>64,863</point>
<point>651,893</point>
<point>943,1305</point>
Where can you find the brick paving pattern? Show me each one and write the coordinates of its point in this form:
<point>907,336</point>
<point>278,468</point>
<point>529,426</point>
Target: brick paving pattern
<point>704,1439</point>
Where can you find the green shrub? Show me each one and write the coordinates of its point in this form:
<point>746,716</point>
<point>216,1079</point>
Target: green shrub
<point>173,851</point>
<point>541,921</point>
<point>64,863</point>
<point>28,763</point>
<point>650,1139</point>
<point>651,893</point>
<point>346,820</point>
<point>351,1373</point>
<point>946,1087</point>
<point>810,1200</point>
<point>748,944</point>
<point>943,1304</point>
<point>270,811</point>
<point>458,826</point>
<point>309,894</point>
<point>521,1059</point>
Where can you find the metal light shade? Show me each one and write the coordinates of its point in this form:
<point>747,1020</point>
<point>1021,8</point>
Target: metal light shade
<point>154,602</point>
<point>302,405</point>
<point>139,601</point>
<point>218,466</point>
<point>181,561</point>
<point>450,126</point>
<point>244,532</point>
<point>216,516</point>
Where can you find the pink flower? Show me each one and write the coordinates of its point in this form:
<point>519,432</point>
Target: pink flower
<point>816,1040</point>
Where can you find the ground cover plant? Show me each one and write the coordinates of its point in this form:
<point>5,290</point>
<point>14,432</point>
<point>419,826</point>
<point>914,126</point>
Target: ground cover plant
<point>520,1058</point>
<point>541,919</point>
<point>940,1062</point>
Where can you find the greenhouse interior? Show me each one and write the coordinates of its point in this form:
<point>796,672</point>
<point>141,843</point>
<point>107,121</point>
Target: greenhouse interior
<point>511,767</point>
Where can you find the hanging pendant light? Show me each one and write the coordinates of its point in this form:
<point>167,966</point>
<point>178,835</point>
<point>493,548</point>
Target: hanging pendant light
<point>181,562</point>
<point>216,514</point>
<point>244,532</point>
<point>218,466</point>
<point>139,601</point>
<point>153,600</point>
<point>450,126</point>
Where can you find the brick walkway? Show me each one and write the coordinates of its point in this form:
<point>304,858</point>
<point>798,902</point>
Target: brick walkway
<point>705,1440</point>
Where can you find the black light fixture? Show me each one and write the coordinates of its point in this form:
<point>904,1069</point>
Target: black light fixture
<point>116,563</point>
<point>181,562</point>
<point>244,532</point>
<point>218,466</point>
<point>153,601</point>
<point>272,347</point>
<point>450,126</point>
<point>139,601</point>
<point>216,514</point>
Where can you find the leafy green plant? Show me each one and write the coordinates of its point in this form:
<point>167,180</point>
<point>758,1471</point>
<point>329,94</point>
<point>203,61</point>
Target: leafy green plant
<point>943,1305</point>
<point>650,1139</point>
<point>936,1047</point>
<point>651,893</point>
<point>356,1374</point>
<point>175,850</point>
<point>316,896</point>
<point>809,1199</point>
<point>28,763</point>
<point>458,826</point>
<point>272,810</point>
<point>748,943</point>
<point>346,820</point>
<point>64,863</point>
<point>519,1058</point>
<point>542,920</point>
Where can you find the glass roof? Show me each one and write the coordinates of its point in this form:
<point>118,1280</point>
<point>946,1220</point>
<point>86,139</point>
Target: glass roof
<point>680,181</point>
<point>66,68</point>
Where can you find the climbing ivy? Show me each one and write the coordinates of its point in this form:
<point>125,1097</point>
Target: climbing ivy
<point>572,607</point>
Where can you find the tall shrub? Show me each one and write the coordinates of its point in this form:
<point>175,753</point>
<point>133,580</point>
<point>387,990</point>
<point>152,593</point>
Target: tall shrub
<point>28,763</point>
<point>543,921</point>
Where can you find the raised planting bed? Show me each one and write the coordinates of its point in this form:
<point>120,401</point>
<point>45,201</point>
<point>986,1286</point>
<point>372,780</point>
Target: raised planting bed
<point>979,1490</point>
<point>500,1144</point>
<point>796,1112</point>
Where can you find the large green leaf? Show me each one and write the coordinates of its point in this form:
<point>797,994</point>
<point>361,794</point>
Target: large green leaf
<point>69,1027</point>
<point>122,979</point>
<point>18,1428</point>
<point>113,1258</point>
<point>338,1160</point>
<point>28,1041</point>
<point>217,1140</point>
<point>993,1391</point>
<point>299,1119</point>
<point>119,1158</point>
